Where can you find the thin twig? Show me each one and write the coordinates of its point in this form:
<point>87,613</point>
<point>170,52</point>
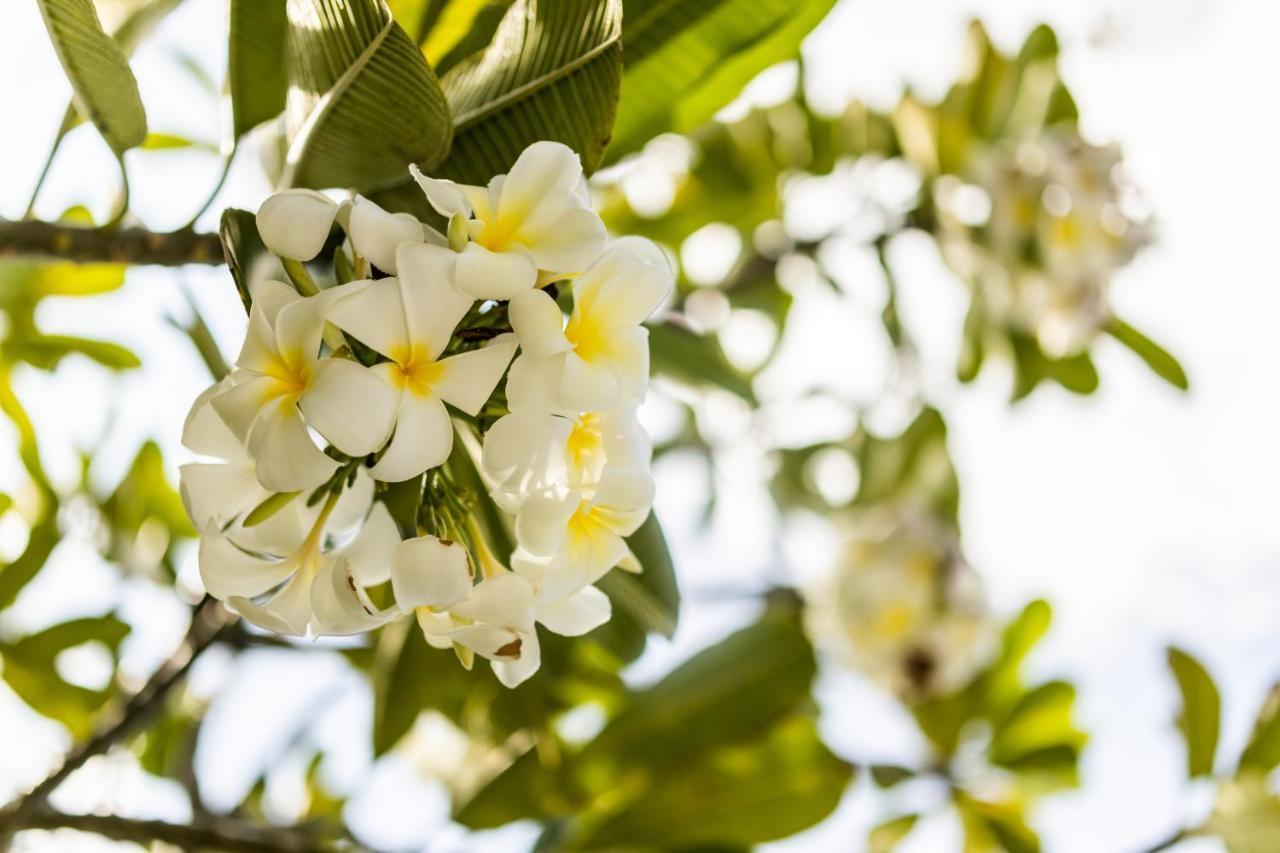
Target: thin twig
<point>207,623</point>
<point>35,239</point>
<point>203,833</point>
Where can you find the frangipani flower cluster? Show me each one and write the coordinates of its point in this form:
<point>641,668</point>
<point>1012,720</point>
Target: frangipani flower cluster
<point>1057,220</point>
<point>349,392</point>
<point>904,608</point>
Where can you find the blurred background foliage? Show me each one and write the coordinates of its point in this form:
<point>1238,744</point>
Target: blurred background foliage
<point>723,752</point>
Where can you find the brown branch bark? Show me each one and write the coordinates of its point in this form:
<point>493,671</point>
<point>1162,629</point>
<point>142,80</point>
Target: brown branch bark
<point>203,833</point>
<point>37,240</point>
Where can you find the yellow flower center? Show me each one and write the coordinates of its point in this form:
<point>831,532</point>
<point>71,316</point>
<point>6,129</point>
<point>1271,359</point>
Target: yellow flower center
<point>590,340</point>
<point>498,234</point>
<point>415,369</point>
<point>584,440</point>
<point>291,374</point>
<point>1066,231</point>
<point>584,522</point>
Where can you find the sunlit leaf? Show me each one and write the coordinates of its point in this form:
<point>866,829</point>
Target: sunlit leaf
<point>651,597</point>
<point>256,78</point>
<point>363,103</point>
<point>1262,753</point>
<point>105,89</point>
<point>1198,719</point>
<point>1157,358</point>
<point>888,835</point>
<point>695,359</point>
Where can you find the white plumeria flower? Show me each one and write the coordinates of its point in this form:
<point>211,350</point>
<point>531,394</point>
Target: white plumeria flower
<point>375,233</point>
<point>536,217</point>
<point>569,541</point>
<point>295,223</point>
<point>410,320</point>
<point>280,377</point>
<point>601,355</point>
<point>221,492</point>
<point>529,453</point>
<point>237,577</point>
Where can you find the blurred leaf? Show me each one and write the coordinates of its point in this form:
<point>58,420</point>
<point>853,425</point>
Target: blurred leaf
<point>740,795</point>
<point>695,359</point>
<point>1199,718</point>
<point>144,494</point>
<point>45,351</point>
<point>995,827</point>
<point>885,837</point>
<point>15,575</point>
<point>256,78</point>
<point>1038,736</point>
<point>241,245</point>
<point>552,72</point>
<point>269,507</point>
<point>105,89</point>
<point>29,670</point>
<point>651,597</point>
<point>914,467</point>
<point>170,141</point>
<point>680,58</point>
<point>363,102</point>
<point>888,775</point>
<point>1262,753</point>
<point>1157,358</point>
<point>1246,816</point>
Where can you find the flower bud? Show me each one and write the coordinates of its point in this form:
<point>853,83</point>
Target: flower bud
<point>295,223</point>
<point>375,233</point>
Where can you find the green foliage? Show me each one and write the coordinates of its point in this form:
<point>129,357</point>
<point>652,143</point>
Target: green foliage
<point>1198,719</point>
<point>242,245</point>
<point>365,101</point>
<point>1262,753</point>
<point>697,360</point>
<point>105,89</point>
<point>650,598</point>
<point>552,71</point>
<point>686,60</point>
<point>256,77</point>
<point>29,670</point>
<point>1157,358</point>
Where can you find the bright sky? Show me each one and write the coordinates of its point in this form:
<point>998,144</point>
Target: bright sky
<point>1145,516</point>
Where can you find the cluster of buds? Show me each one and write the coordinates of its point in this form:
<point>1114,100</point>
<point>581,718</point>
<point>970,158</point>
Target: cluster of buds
<point>903,607</point>
<point>1040,228</point>
<point>391,379</point>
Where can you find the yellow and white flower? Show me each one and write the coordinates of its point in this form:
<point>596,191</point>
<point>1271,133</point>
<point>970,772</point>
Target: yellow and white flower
<point>600,356</point>
<point>410,320</point>
<point>375,234</point>
<point>536,218</point>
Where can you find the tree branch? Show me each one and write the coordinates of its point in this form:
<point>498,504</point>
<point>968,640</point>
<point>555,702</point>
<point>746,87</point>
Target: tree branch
<point>203,833</point>
<point>207,623</point>
<point>31,238</point>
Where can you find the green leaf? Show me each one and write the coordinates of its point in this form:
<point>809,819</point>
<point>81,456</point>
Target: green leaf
<point>105,89</point>
<point>171,142</point>
<point>476,38</point>
<point>552,72</point>
<point>29,668</point>
<point>1038,736</point>
<point>1201,707</point>
<point>19,572</point>
<point>996,826</point>
<point>45,351</point>
<point>651,597</point>
<point>363,102</point>
<point>145,494</point>
<point>685,60</point>
<point>1262,753</point>
<point>888,835</point>
<point>735,797</point>
<point>241,245</point>
<point>256,79</point>
<point>695,359</point>
<point>1157,358</point>
<point>888,775</point>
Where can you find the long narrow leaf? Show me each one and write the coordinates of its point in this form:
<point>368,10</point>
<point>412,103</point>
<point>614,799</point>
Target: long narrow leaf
<point>256,78</point>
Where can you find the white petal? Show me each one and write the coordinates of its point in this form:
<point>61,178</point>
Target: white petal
<point>259,352</point>
<point>624,497</point>
<point>282,533</point>
<point>538,323</point>
<point>565,241</point>
<point>544,173</point>
<point>429,572</point>
<point>299,330</point>
<point>368,556</point>
<point>432,305</point>
<point>423,438</point>
<point>444,195</point>
<point>287,458</point>
<point>468,379</point>
<point>350,405</point>
<point>542,520</point>
<point>241,404</point>
<point>506,600</point>
<point>575,615</point>
<point>374,316</point>
<point>295,223</point>
<point>512,673</point>
<point>287,612</point>
<point>629,357</point>
<point>204,431</point>
<point>218,492</point>
<point>626,285</point>
<point>533,384</point>
<point>524,453</point>
<point>226,571</point>
<point>375,233</point>
<point>488,641</point>
<point>587,386</point>
<point>483,274</point>
<point>270,295</point>
<point>341,606</point>
<point>354,504</point>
